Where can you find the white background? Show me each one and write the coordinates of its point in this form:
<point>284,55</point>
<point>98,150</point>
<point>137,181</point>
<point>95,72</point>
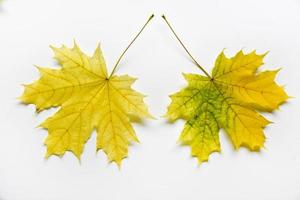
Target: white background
<point>157,168</point>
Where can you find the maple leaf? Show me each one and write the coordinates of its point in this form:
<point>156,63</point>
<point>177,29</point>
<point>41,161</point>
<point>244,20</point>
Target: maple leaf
<point>88,99</point>
<point>230,99</point>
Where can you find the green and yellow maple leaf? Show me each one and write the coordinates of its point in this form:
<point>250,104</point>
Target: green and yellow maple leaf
<point>230,99</point>
<point>88,99</point>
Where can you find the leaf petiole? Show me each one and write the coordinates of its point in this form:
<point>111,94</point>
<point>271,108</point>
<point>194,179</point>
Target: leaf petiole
<point>118,61</point>
<point>187,51</point>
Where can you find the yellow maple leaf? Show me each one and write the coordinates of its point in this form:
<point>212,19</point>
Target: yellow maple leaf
<point>88,99</point>
<point>230,99</point>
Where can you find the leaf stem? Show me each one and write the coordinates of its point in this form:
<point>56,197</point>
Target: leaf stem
<point>186,50</point>
<point>118,61</point>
